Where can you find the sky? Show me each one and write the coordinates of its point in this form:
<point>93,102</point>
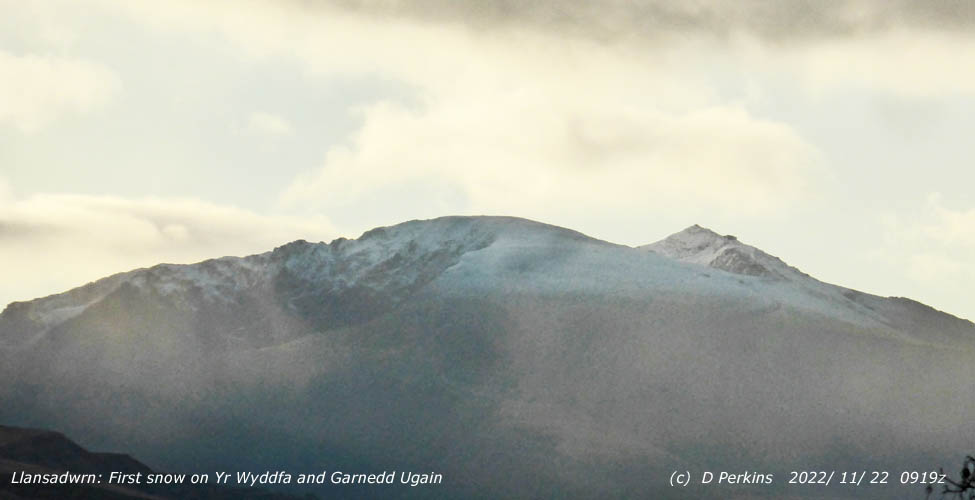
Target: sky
<point>834,135</point>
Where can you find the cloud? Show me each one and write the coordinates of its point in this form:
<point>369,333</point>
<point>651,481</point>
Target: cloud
<point>905,63</point>
<point>38,89</point>
<point>268,124</point>
<point>5,191</point>
<point>935,268</point>
<point>934,225</point>
<point>951,227</point>
<point>51,242</point>
<point>524,130</point>
<point>512,112</point>
<point>658,19</point>
<point>901,47</point>
<point>41,25</point>
<point>934,248</point>
<point>563,153</point>
<point>523,121</point>
<point>944,242</point>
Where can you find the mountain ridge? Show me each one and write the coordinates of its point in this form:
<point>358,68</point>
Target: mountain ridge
<point>372,260</point>
<point>378,269</point>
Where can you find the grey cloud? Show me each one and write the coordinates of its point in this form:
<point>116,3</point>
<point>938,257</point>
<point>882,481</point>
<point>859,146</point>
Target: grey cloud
<point>10,230</point>
<point>782,20</point>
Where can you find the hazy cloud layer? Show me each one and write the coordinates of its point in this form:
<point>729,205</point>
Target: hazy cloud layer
<point>50,243</point>
<point>37,89</point>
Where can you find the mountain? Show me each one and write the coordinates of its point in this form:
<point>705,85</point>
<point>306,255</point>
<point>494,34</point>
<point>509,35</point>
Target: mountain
<point>517,359</point>
<point>36,451</point>
<point>699,245</point>
<point>704,247</point>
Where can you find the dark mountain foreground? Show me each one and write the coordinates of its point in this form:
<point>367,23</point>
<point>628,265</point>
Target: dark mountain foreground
<point>33,451</point>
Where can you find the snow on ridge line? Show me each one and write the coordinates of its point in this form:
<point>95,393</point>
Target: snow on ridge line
<point>217,276</point>
<point>397,257</point>
<point>387,264</point>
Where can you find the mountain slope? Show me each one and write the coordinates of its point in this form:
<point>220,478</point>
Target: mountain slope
<point>516,358</point>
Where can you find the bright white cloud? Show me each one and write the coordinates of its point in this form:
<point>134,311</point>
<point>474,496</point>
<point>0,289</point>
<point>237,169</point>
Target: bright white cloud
<point>518,120</point>
<point>564,152</point>
<point>514,119</point>
<point>526,122</point>
<point>37,89</point>
<point>50,243</point>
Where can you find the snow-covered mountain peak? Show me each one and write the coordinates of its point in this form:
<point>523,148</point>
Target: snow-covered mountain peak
<point>700,245</point>
<point>345,281</point>
<point>397,255</point>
